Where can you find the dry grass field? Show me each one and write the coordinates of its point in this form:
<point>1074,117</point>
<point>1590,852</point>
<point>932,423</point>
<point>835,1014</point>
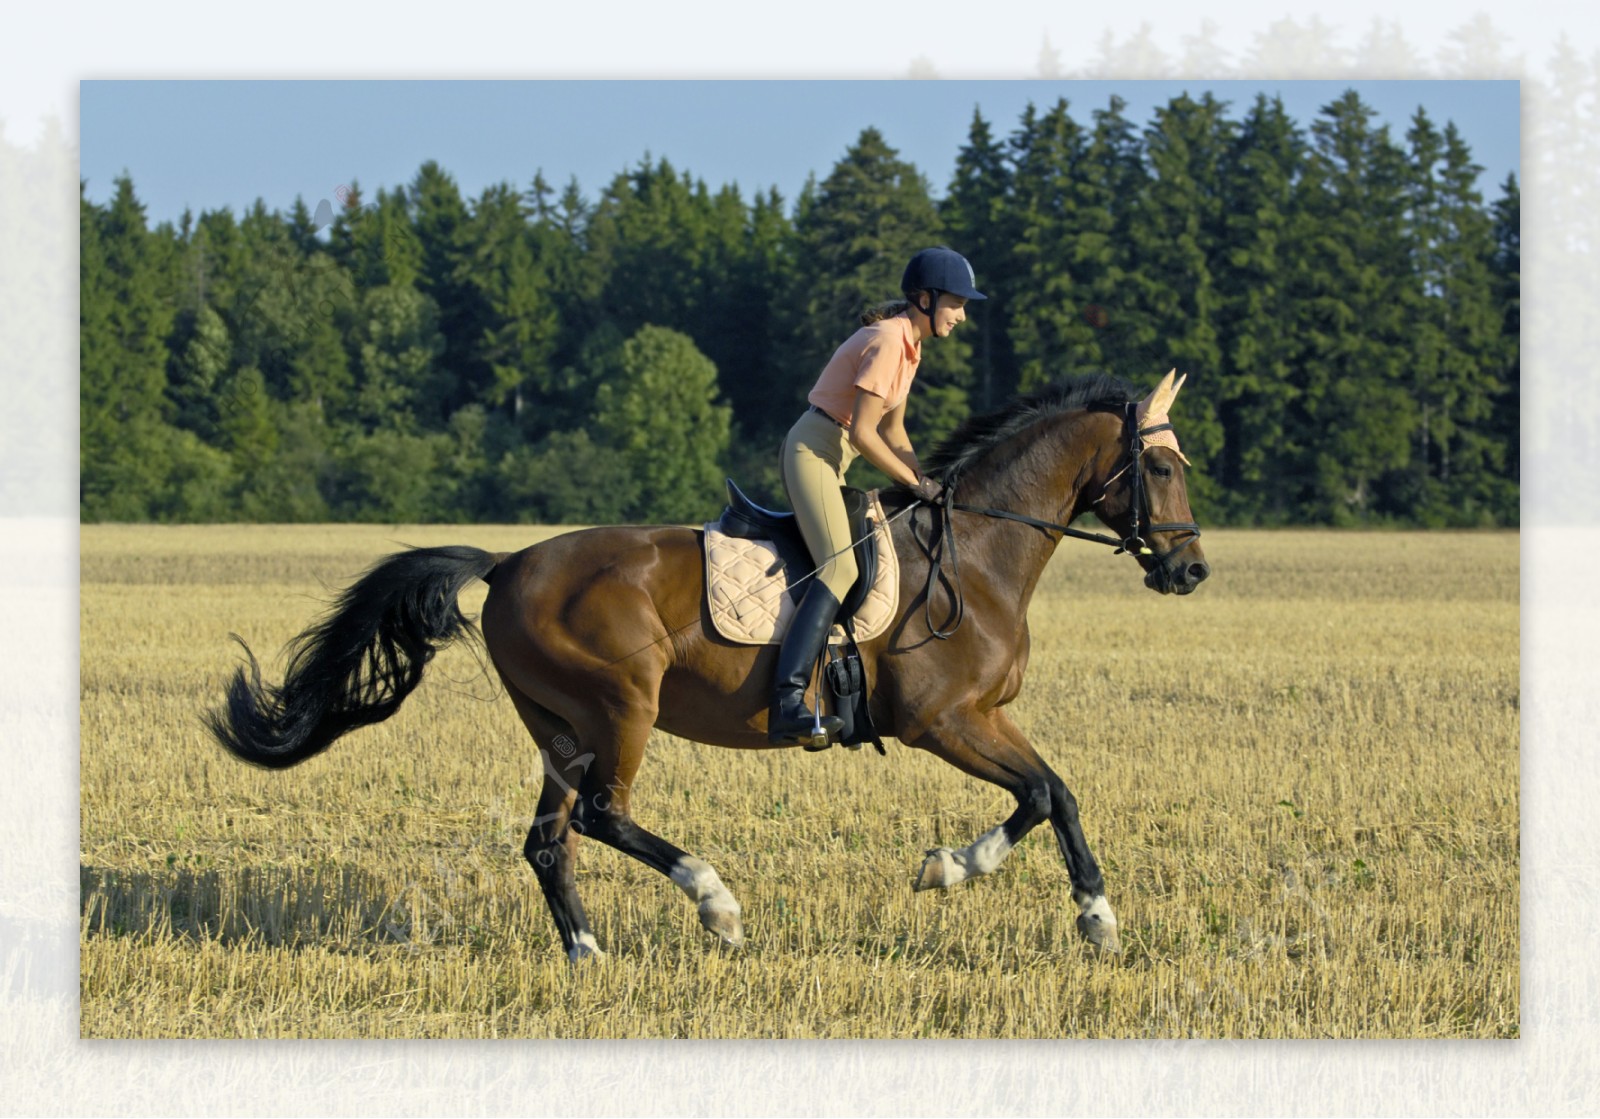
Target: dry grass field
<point>1301,783</point>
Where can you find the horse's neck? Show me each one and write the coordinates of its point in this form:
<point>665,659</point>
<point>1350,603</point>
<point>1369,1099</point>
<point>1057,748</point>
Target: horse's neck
<point>1039,474</point>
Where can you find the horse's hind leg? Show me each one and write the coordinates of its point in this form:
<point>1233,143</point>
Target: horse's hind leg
<point>551,847</point>
<point>602,813</point>
<point>990,746</point>
<point>551,851</point>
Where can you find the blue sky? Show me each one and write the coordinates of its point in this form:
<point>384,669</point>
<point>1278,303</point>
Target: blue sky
<point>212,144</point>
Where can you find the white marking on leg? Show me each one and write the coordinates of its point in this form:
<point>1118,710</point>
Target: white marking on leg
<point>1098,924</point>
<point>944,868</point>
<point>1098,908</point>
<point>719,912</point>
<point>986,853</point>
<point>699,880</point>
<point>584,946</point>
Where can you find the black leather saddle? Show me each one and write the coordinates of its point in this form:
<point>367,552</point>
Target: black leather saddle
<point>743,519</point>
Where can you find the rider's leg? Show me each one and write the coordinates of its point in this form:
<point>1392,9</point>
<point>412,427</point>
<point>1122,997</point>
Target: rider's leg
<point>815,456</point>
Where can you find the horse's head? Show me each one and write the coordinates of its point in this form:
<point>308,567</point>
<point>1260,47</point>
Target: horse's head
<point>1144,499</point>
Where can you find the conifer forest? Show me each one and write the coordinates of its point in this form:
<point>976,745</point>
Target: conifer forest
<point>1344,300</point>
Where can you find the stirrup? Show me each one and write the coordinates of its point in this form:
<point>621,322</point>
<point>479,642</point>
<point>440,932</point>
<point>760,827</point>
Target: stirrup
<point>820,740</point>
<point>814,735</point>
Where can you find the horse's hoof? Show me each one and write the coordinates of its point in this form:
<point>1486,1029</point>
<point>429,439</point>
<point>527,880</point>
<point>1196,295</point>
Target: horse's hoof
<point>1102,936</point>
<point>939,871</point>
<point>1098,926</point>
<point>725,925</point>
<point>584,948</point>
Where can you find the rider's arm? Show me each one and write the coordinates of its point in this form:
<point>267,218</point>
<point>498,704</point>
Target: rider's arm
<point>893,429</point>
<point>898,462</point>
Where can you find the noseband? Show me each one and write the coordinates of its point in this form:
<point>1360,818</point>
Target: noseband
<point>1133,544</point>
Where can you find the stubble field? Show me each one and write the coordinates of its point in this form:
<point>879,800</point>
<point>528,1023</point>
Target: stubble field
<point>1301,783</point>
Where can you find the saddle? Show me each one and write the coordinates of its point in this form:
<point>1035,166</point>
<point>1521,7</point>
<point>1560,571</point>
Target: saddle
<point>756,561</point>
<point>743,519</point>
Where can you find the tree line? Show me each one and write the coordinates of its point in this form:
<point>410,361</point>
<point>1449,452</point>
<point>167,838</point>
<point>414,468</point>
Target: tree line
<point>1344,300</point>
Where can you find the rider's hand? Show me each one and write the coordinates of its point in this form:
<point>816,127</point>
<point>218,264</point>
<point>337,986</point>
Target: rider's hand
<point>928,489</point>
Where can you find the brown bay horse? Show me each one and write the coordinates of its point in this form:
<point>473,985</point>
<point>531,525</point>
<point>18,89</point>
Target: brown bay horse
<point>602,634</point>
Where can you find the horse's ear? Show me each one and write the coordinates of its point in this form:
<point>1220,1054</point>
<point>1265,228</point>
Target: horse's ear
<point>1152,410</point>
<point>1178,384</point>
<point>1160,400</point>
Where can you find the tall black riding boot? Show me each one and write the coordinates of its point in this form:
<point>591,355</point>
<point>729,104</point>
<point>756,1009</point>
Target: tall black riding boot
<point>788,719</point>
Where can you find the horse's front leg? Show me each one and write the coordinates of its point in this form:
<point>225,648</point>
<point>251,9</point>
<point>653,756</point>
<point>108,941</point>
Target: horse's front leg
<point>1096,921</point>
<point>989,746</point>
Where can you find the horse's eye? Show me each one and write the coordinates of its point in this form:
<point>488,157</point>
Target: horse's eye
<point>1161,471</point>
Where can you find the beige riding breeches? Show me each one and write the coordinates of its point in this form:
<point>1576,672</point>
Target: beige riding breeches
<point>816,454</point>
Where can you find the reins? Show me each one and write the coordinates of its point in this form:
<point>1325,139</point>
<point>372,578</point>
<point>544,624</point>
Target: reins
<point>1133,544</point>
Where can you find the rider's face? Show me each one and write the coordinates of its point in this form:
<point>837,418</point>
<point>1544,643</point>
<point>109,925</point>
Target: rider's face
<point>949,312</point>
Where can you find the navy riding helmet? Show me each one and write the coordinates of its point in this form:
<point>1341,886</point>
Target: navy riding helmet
<point>940,269</point>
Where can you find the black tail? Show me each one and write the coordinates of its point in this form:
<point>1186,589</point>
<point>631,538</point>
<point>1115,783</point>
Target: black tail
<point>357,665</point>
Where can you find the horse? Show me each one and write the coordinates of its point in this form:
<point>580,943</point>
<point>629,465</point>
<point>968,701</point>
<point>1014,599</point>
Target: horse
<point>601,634</point>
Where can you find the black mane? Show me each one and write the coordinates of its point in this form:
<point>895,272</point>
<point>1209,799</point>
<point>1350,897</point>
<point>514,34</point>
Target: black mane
<point>978,435</point>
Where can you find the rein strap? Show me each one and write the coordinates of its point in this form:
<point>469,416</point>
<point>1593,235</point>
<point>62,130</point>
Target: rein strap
<point>1047,526</point>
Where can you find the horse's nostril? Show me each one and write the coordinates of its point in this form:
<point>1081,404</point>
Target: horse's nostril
<point>1197,572</point>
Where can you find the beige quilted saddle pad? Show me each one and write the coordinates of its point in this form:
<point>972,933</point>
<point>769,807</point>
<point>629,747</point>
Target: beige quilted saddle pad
<point>747,589</point>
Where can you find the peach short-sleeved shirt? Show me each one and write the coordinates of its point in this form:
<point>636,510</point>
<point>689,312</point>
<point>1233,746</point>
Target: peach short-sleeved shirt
<point>881,358</point>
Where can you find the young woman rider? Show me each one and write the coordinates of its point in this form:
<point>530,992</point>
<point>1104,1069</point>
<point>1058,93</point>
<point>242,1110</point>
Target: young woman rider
<point>857,409</point>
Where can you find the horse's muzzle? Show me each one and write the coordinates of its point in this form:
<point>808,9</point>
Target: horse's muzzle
<point>1178,578</point>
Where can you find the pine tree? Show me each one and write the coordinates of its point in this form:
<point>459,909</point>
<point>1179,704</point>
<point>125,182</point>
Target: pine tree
<point>1260,372</point>
<point>750,307</point>
<point>1111,182</point>
<point>126,458</point>
<point>214,260</point>
<point>517,321</point>
<point>1506,268</point>
<point>291,315</point>
<point>559,231</point>
<point>1351,310</point>
<point>1176,234</point>
<point>101,411</point>
<point>247,421</point>
<point>439,217</point>
<point>304,228</point>
<point>1354,286</point>
<point>650,235</point>
<point>976,215</point>
<point>1430,343</point>
<point>138,318</point>
<point>1458,472</point>
<point>375,243</point>
<point>1051,336</point>
<point>400,247</point>
<point>1470,461</point>
<point>746,349</point>
<point>674,254</point>
<point>198,367</point>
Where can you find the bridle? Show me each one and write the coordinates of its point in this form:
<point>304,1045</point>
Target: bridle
<point>1133,544</point>
<point>1139,502</point>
